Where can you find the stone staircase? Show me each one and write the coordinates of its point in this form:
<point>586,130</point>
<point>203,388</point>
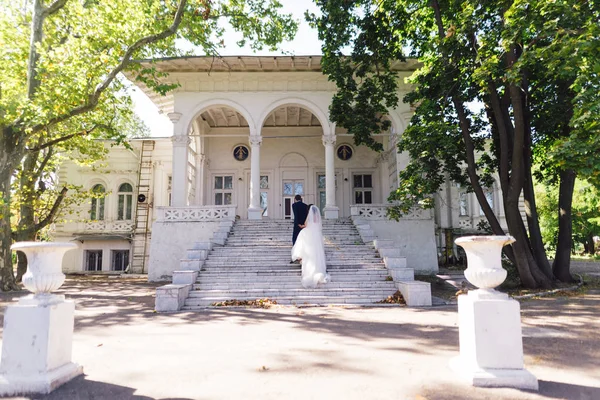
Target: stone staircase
<point>254,263</point>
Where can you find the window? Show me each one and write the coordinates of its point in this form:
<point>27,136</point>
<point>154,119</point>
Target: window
<point>489,196</point>
<point>321,191</point>
<point>93,260</point>
<point>363,189</point>
<point>97,209</point>
<point>463,204</point>
<point>120,260</point>
<point>223,189</point>
<point>264,195</point>
<point>125,202</point>
<point>169,186</point>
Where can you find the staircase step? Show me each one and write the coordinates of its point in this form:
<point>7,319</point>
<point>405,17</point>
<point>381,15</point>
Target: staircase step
<point>197,304</point>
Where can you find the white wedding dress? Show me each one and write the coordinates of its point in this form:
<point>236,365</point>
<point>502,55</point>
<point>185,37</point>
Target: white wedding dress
<point>310,248</point>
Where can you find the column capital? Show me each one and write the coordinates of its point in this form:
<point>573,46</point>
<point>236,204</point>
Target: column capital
<point>255,140</point>
<point>328,140</point>
<point>180,140</point>
<point>174,117</point>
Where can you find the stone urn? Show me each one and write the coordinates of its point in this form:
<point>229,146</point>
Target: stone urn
<point>484,261</point>
<point>44,267</point>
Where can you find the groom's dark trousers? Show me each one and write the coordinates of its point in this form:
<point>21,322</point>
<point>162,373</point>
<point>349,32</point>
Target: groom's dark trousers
<point>300,213</point>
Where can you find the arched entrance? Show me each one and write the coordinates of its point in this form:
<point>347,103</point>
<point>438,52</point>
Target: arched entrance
<point>292,151</point>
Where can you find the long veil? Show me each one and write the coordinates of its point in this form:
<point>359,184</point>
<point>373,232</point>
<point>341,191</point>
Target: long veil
<point>310,248</point>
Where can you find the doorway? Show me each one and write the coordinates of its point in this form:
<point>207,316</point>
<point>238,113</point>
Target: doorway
<point>291,187</point>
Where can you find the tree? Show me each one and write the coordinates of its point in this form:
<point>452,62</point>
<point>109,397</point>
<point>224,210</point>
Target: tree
<point>38,201</point>
<point>62,60</point>
<point>586,222</point>
<point>505,55</point>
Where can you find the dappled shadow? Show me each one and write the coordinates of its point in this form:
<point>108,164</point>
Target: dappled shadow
<point>560,333</point>
<point>426,338</point>
<point>547,389</point>
<point>81,388</point>
<point>101,300</point>
<point>571,338</point>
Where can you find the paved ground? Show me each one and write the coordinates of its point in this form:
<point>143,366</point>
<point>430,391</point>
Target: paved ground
<point>130,352</point>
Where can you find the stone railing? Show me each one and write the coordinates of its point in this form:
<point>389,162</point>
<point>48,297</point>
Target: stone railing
<point>108,226</point>
<point>195,213</point>
<point>378,211</point>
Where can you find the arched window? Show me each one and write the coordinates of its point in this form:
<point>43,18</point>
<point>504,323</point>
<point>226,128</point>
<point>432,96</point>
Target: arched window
<point>125,202</point>
<point>97,209</point>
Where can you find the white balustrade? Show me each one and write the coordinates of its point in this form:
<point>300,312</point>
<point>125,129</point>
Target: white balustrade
<point>379,211</point>
<point>195,213</point>
<point>109,226</point>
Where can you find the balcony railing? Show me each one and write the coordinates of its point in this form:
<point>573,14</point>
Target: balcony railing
<point>108,226</point>
<point>195,213</point>
<point>379,211</point>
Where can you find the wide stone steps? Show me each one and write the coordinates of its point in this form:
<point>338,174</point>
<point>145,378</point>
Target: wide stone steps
<point>254,264</point>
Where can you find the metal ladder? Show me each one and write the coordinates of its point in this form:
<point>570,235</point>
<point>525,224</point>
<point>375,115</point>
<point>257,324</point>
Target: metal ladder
<point>142,211</point>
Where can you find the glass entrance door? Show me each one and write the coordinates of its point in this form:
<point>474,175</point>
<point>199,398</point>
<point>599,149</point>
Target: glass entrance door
<point>291,187</point>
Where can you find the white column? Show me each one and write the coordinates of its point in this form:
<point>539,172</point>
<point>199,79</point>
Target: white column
<point>181,142</point>
<point>254,210</point>
<point>200,158</point>
<point>331,210</point>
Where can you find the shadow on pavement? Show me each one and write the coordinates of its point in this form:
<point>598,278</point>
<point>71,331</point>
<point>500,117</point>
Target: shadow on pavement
<point>81,388</point>
<point>560,390</point>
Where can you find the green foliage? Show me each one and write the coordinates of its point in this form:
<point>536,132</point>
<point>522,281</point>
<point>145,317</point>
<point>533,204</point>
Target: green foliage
<point>586,210</point>
<point>462,47</point>
<point>61,85</point>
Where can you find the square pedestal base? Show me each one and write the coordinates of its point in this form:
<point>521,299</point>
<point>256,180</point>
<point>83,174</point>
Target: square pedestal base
<point>37,345</point>
<point>42,383</point>
<point>255,213</point>
<point>489,377</point>
<point>331,212</point>
<point>491,342</point>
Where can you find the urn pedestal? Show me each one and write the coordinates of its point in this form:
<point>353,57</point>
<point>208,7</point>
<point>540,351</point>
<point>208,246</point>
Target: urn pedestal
<point>38,330</point>
<point>491,344</point>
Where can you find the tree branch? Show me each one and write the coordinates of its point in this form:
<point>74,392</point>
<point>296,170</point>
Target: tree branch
<point>95,96</point>
<point>38,173</point>
<point>63,138</point>
<point>54,7</point>
<point>47,220</point>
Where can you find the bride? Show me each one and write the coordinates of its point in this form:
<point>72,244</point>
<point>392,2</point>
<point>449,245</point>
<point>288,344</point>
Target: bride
<point>309,248</point>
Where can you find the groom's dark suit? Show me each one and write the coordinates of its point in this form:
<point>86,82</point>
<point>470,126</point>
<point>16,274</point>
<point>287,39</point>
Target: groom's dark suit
<point>300,214</point>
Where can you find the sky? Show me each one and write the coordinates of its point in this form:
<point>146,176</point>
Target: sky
<point>305,43</point>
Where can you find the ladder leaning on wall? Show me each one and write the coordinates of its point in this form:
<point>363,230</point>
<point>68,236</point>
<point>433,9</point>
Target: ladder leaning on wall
<point>141,234</point>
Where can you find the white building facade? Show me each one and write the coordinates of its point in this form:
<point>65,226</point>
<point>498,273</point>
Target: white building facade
<point>248,134</point>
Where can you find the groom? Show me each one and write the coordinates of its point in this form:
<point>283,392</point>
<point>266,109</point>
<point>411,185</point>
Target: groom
<point>300,213</point>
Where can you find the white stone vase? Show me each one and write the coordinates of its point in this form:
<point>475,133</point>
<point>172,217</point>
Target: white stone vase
<point>44,265</point>
<point>484,261</point>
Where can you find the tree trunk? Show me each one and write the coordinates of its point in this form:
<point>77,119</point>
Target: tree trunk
<point>535,233</point>
<point>26,211</point>
<point>21,266</point>
<point>589,246</point>
<point>562,259</point>
<point>533,221</point>
<point>7,278</point>
<point>530,273</point>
